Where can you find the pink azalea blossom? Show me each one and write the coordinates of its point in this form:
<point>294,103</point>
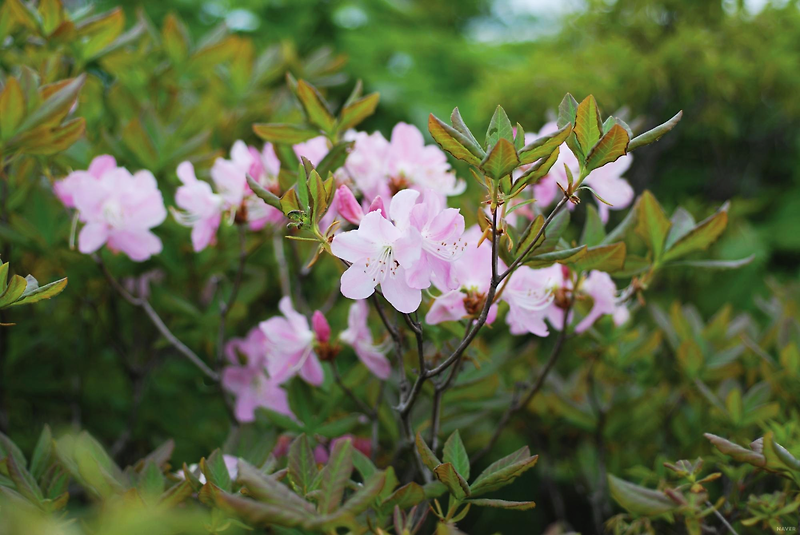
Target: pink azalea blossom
<point>438,230</point>
<point>607,181</point>
<point>472,275</point>
<point>347,205</point>
<point>359,337</point>
<point>66,188</point>
<point>245,378</point>
<point>314,150</point>
<point>379,167</point>
<point>380,253</point>
<point>202,208</point>
<point>290,345</point>
<point>529,294</point>
<point>118,209</point>
<point>263,167</point>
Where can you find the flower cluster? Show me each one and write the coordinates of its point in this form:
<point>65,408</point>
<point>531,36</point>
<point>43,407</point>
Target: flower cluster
<point>117,208</point>
<point>289,345</point>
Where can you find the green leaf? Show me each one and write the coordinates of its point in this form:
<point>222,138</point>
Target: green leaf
<point>24,481</point>
<point>620,231</point>
<point>519,138</point>
<point>713,264</point>
<point>608,258</point>
<point>502,472</point>
<point>545,145</point>
<point>736,451</point>
<point>12,108</point>
<point>734,405</point>
<point>98,32</point>
<point>13,291</point>
<point>563,256</point>
<point>56,106</point>
<point>588,126</point>
<point>42,453</point>
<point>405,497</point>
<point>175,494</point>
<point>610,147</point>
<point>458,123</point>
<point>316,108</point>
<point>701,236</point>
<point>284,133</point>
<point>151,481</point>
<point>337,473</point>
<point>639,500</point>
<point>318,196</point>
<point>531,231</point>
<point>175,39</point>
<point>263,193</point>
<point>267,489</point>
<point>302,466</point>
<point>455,453</point>
<point>499,128</point>
<point>355,112</point>
<point>501,159</point>
<point>448,475</point>
<point>503,504</point>
<point>30,296</point>
<point>682,223</point>
<point>256,513</point>
<point>429,458</point>
<point>536,172</point>
<point>652,224</point>
<point>655,134</point>
<point>363,464</point>
<point>454,142</point>
<point>215,470</point>
<point>567,111</point>
<point>361,500</point>
<point>335,158</point>
<point>593,230</point>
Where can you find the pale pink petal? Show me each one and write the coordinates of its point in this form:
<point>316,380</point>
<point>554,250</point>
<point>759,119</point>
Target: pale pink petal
<point>352,246</point>
<point>348,205</point>
<point>311,372</point>
<point>186,173</point>
<point>401,205</point>
<point>399,294</point>
<point>204,232</point>
<point>446,307</point>
<point>357,282</point>
<point>92,237</point>
<point>374,360</point>
<point>139,245</point>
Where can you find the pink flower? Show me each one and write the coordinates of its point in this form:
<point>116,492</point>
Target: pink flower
<point>380,253</point>
<point>366,164</point>
<point>246,380</point>
<point>202,207</point>
<point>529,294</point>
<point>118,209</point>
<point>607,181</point>
<point>472,274</point>
<point>439,231</point>
<point>66,188</point>
<point>359,337</point>
<point>290,346</point>
<point>410,160</point>
<point>599,286</point>
<point>263,167</point>
<point>347,205</point>
<point>314,150</point>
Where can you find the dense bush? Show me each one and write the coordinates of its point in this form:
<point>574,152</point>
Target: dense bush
<point>314,328</point>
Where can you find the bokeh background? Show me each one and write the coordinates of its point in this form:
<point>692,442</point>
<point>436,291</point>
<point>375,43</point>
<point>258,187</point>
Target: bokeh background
<point>732,66</point>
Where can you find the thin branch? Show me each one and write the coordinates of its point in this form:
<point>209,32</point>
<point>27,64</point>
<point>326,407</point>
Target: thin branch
<point>525,400</point>
<point>539,234</point>
<point>721,518</point>
<point>280,259</point>
<point>337,377</point>
<point>158,322</point>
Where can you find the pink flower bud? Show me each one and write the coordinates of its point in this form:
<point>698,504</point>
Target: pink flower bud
<point>377,204</point>
<point>348,205</point>
<point>321,327</point>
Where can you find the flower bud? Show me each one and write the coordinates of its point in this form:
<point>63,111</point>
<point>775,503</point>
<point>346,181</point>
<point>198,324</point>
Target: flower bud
<point>321,327</point>
<point>377,204</point>
<point>348,205</point>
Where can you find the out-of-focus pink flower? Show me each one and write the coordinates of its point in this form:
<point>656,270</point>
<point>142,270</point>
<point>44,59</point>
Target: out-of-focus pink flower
<point>359,337</point>
<point>366,164</point>
<point>472,274</point>
<point>321,327</point>
<point>202,208</point>
<point>607,181</point>
<point>290,346</point>
<point>409,160</point>
<point>66,188</point>
<point>529,294</point>
<point>599,286</point>
<point>314,150</point>
<point>140,286</point>
<point>246,380</point>
<point>118,209</point>
<point>263,167</point>
<point>380,253</point>
<point>439,231</point>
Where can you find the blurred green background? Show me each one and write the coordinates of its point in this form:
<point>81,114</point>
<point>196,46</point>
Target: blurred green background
<point>732,66</point>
